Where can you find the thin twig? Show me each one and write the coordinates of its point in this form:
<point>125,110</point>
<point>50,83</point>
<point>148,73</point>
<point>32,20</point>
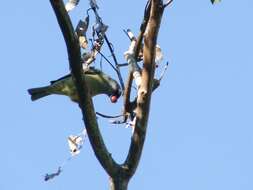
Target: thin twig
<point>167,3</point>
<point>164,71</point>
<point>127,34</point>
<point>108,116</point>
<point>123,64</point>
<point>116,63</point>
<point>99,19</point>
<point>107,60</point>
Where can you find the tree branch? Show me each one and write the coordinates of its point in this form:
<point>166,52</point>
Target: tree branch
<point>85,103</point>
<point>144,93</point>
<point>127,107</point>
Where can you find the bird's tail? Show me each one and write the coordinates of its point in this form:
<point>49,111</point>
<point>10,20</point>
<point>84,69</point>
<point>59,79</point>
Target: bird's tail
<point>37,93</point>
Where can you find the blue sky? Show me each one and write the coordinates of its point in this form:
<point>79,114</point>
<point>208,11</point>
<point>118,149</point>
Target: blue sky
<point>200,134</point>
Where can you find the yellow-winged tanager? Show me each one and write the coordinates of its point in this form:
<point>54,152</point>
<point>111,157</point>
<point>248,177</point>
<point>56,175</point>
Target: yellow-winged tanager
<point>97,81</point>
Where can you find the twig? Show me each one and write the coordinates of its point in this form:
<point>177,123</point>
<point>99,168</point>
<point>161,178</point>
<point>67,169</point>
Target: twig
<point>123,64</point>
<point>108,116</point>
<point>164,71</point>
<point>99,19</point>
<point>107,60</point>
<point>116,64</point>
<point>167,3</point>
<point>129,34</point>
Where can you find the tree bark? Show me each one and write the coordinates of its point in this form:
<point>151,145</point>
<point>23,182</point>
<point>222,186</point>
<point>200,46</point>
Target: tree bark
<point>145,90</point>
<point>118,184</point>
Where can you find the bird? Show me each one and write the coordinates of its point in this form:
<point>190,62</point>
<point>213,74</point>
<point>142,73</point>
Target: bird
<point>97,81</point>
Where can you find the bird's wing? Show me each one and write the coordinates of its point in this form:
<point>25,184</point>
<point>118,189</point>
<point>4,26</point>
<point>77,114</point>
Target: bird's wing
<point>64,77</point>
<point>90,71</point>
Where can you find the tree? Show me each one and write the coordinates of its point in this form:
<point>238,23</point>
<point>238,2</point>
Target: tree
<point>137,110</point>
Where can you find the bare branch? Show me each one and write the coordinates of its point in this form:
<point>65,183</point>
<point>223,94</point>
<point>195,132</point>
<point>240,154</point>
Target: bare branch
<point>127,107</point>
<point>144,93</point>
<point>85,103</point>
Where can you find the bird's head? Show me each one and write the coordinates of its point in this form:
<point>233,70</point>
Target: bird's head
<point>104,84</point>
<point>113,89</point>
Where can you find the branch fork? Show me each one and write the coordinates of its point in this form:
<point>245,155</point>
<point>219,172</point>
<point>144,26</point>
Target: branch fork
<point>119,173</point>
